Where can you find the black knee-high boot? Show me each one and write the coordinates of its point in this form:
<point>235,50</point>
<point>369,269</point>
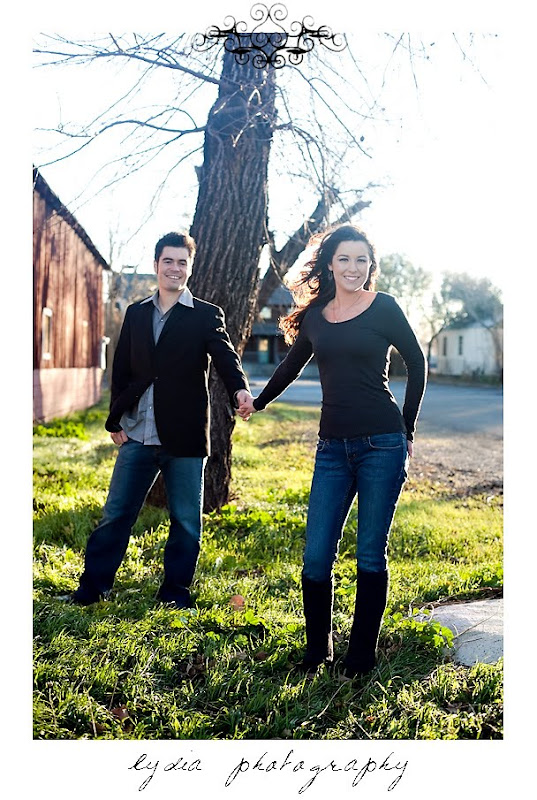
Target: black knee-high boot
<point>318,598</point>
<point>371,596</point>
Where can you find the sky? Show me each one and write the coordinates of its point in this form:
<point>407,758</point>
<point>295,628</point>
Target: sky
<point>482,223</point>
<point>442,161</point>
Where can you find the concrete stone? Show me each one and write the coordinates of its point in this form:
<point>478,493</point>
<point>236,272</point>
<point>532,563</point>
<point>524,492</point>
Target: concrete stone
<point>477,628</point>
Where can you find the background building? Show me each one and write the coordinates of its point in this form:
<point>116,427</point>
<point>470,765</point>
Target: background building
<point>468,349</point>
<point>69,343</point>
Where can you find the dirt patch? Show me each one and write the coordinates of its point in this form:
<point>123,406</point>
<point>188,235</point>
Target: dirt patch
<point>463,465</point>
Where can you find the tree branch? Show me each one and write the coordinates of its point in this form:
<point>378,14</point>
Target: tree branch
<point>157,62</point>
<point>138,123</point>
<point>352,137</point>
<point>181,132</point>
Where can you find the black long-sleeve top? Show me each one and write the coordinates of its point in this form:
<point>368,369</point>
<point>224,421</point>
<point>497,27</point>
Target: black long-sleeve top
<point>353,359</point>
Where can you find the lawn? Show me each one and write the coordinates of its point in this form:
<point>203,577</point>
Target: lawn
<point>130,668</point>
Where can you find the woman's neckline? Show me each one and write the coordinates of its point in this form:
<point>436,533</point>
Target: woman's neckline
<point>350,319</point>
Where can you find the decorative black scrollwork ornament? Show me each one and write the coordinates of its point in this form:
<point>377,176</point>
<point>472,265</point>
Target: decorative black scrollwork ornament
<point>269,48</point>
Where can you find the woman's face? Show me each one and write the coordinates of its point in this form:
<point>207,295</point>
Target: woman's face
<point>350,266</point>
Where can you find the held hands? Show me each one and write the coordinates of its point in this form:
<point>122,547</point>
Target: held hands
<point>246,405</point>
<point>245,411</point>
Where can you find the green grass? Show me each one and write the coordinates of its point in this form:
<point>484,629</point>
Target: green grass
<point>133,669</point>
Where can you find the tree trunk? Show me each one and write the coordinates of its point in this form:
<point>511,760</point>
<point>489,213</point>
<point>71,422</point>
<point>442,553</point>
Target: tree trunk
<point>496,333</point>
<point>430,351</point>
<point>230,230</point>
<point>430,346</point>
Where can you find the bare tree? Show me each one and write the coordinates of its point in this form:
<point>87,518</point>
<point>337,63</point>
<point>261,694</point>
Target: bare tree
<point>437,314</point>
<point>313,115</point>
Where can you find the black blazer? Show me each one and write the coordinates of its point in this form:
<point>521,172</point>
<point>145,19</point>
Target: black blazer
<point>178,365</point>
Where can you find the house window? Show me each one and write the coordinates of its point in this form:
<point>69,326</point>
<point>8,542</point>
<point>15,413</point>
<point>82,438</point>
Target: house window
<point>460,345</point>
<point>444,346</point>
<point>263,351</point>
<point>46,334</point>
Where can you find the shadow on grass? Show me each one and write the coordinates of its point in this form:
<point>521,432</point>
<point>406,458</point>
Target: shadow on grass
<point>66,527</point>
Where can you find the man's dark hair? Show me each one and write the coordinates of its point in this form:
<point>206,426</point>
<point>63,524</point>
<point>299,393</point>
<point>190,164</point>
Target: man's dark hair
<point>175,240</point>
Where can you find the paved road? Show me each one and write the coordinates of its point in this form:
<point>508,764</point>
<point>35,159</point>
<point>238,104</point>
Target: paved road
<point>446,409</point>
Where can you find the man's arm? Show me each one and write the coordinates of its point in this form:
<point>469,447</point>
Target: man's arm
<point>226,360</point>
<point>121,373</point>
<point>120,379</point>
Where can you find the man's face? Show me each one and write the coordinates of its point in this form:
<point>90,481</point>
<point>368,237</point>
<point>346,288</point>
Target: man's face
<point>173,269</point>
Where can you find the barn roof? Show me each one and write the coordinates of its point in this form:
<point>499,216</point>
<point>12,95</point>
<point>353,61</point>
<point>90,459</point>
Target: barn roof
<point>466,324</point>
<point>43,189</point>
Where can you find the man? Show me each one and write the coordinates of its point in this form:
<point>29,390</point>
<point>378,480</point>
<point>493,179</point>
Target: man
<point>159,417</point>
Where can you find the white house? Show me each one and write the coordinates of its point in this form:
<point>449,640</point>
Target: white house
<point>467,349</point>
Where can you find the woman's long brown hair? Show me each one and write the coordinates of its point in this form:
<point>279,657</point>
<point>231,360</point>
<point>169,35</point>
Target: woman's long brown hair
<point>315,285</point>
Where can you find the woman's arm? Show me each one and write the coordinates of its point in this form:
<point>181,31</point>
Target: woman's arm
<point>287,371</point>
<point>405,340</point>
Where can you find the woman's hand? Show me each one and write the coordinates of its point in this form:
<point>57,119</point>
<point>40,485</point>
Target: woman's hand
<point>410,448</point>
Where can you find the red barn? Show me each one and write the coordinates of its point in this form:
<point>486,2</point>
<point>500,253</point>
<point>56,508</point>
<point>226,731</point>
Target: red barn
<point>68,309</point>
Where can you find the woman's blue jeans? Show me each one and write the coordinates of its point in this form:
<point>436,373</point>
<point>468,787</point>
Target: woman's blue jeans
<point>136,469</point>
<point>372,467</point>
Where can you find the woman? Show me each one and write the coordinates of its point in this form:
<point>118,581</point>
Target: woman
<point>364,440</point>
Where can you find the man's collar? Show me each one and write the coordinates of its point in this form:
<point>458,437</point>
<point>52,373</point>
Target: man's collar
<point>185,298</point>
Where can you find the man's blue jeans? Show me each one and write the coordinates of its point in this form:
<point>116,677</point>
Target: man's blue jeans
<point>136,469</point>
<point>372,467</point>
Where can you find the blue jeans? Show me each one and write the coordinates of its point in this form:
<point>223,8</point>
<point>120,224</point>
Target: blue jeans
<point>135,471</point>
<point>372,467</point>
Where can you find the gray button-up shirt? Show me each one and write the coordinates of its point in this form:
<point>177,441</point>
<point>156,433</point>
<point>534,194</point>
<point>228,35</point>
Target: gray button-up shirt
<point>139,422</point>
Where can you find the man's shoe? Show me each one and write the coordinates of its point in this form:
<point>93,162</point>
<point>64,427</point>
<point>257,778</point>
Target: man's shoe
<point>72,600</point>
<point>177,604</point>
<point>355,673</point>
<point>178,598</point>
<point>79,598</point>
<point>312,668</point>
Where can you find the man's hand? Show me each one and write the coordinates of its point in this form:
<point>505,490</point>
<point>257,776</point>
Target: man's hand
<point>246,405</point>
<point>119,438</point>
